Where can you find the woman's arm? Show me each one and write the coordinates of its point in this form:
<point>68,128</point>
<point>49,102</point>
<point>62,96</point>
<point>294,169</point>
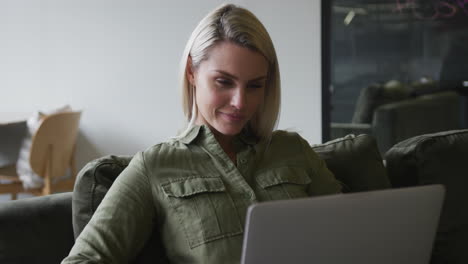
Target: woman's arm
<point>122,223</point>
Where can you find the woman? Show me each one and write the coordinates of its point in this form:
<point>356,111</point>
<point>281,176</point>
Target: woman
<point>194,190</point>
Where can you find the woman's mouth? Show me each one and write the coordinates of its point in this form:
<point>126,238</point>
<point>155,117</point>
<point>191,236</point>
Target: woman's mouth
<point>233,117</point>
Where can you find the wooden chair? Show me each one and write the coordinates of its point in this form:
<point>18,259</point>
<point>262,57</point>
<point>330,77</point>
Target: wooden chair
<point>52,154</point>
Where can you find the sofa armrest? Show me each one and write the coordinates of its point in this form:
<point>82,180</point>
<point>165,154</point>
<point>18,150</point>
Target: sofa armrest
<point>36,230</point>
<point>339,130</point>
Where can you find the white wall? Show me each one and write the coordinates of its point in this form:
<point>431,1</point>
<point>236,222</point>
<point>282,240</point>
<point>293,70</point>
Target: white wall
<point>118,60</point>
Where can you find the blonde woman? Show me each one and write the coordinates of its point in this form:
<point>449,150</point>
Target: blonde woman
<point>194,190</point>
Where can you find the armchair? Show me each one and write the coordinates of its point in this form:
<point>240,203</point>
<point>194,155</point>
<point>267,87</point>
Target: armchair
<point>391,121</point>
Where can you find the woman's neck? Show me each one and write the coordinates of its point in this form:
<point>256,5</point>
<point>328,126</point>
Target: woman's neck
<point>226,142</point>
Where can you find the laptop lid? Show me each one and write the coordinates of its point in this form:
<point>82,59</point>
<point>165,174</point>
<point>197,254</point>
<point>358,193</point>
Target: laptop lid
<point>387,226</point>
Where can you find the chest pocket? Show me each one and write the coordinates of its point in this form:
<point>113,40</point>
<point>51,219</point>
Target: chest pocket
<point>284,183</point>
<point>204,209</point>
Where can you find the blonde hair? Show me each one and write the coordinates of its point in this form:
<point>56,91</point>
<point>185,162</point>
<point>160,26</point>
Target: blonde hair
<point>239,26</point>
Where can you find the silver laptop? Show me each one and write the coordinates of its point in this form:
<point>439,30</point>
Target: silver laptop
<point>389,226</point>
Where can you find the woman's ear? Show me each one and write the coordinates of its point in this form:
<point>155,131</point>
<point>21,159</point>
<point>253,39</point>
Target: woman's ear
<point>189,71</point>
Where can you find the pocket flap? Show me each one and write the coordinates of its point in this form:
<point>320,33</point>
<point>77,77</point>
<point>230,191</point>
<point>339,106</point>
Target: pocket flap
<point>193,185</point>
<point>283,175</point>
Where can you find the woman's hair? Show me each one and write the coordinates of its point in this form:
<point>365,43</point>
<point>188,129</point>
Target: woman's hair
<point>239,26</point>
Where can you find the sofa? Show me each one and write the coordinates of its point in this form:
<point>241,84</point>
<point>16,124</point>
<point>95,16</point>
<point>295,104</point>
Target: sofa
<point>389,111</point>
<point>43,229</point>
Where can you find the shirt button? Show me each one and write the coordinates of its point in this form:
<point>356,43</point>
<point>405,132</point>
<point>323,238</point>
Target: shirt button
<point>243,161</point>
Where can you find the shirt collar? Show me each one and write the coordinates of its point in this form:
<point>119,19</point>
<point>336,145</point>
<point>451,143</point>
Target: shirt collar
<point>190,135</point>
<point>245,136</point>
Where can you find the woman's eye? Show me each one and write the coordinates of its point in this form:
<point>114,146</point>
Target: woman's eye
<point>224,82</point>
<point>256,85</point>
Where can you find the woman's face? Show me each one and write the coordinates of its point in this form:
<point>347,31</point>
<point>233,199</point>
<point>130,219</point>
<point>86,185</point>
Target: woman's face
<point>229,87</point>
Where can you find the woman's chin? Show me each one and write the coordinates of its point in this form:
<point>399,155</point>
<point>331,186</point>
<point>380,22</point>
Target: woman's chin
<point>230,130</point>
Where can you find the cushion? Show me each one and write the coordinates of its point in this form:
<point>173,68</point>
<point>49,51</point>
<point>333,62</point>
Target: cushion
<point>439,158</point>
<point>356,162</point>
<point>92,184</point>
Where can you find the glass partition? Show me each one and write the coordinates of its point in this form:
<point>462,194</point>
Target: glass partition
<point>398,68</point>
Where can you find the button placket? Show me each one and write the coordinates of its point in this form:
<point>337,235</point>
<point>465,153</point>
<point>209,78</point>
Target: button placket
<point>232,174</point>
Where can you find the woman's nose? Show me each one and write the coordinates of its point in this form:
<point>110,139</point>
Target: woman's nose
<point>238,99</point>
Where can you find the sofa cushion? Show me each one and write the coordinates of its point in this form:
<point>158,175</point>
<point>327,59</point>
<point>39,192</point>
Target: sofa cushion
<point>439,158</point>
<point>356,162</point>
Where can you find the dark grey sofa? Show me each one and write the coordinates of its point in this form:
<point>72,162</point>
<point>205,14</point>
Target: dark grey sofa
<point>393,118</point>
<point>42,230</point>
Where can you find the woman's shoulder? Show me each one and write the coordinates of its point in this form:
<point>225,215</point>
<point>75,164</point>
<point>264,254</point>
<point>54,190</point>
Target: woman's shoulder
<point>285,142</point>
<point>165,148</point>
<point>160,158</point>
<point>285,134</point>
<point>286,137</point>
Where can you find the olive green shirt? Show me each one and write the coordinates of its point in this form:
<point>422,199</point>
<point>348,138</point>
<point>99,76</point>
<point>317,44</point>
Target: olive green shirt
<point>191,191</point>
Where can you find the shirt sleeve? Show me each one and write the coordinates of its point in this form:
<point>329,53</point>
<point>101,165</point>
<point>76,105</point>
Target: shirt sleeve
<point>323,180</point>
<point>122,223</point>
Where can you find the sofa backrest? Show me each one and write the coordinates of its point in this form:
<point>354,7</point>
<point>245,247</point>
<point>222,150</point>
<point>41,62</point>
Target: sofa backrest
<point>439,158</point>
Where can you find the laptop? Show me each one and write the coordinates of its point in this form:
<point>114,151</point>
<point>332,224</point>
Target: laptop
<point>387,226</point>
